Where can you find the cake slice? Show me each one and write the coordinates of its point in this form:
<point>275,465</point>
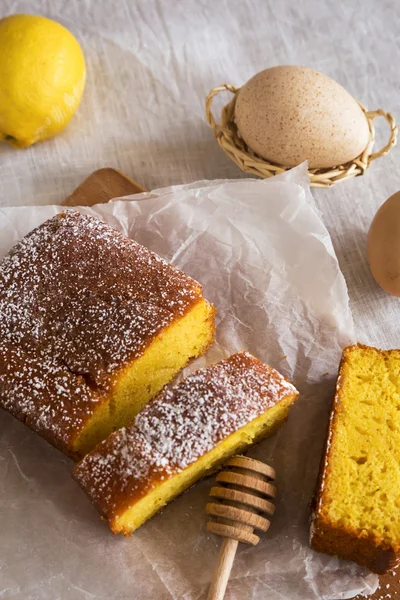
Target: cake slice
<point>92,326</point>
<point>357,506</point>
<point>180,437</point>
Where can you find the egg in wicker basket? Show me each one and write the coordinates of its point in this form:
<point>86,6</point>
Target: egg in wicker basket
<point>285,115</point>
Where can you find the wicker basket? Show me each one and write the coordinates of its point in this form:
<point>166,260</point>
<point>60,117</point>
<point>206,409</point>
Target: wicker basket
<point>228,137</point>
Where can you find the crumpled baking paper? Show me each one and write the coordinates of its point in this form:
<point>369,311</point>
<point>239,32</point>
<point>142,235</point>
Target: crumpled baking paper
<point>266,261</point>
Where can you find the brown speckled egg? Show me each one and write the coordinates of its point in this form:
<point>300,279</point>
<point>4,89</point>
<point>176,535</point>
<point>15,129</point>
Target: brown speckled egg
<point>290,114</point>
<point>383,248</point>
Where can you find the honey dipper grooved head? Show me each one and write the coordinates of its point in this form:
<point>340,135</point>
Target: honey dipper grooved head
<point>242,499</point>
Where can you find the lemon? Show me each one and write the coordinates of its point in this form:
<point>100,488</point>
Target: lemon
<point>42,76</point>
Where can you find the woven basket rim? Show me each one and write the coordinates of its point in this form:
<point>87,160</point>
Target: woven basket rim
<point>228,137</point>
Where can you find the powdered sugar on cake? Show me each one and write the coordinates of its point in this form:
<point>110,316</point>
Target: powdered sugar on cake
<point>78,301</point>
<point>179,426</point>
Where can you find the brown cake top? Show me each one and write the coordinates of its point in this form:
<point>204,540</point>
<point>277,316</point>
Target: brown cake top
<point>78,300</point>
<point>182,424</point>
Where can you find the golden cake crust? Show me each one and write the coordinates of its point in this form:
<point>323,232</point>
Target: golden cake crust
<point>178,427</point>
<point>78,302</point>
<point>340,540</point>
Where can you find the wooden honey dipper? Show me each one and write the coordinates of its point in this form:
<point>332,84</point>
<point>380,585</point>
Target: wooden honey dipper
<point>242,498</point>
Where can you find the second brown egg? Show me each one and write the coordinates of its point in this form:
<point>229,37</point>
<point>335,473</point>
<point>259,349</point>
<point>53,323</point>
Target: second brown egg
<point>383,247</point>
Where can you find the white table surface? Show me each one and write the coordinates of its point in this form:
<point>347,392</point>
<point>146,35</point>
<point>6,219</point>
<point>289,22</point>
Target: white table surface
<point>150,66</point>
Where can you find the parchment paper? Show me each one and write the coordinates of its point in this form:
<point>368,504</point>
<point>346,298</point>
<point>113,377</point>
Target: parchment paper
<point>266,260</point>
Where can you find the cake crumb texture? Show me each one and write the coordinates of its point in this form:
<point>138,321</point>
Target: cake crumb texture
<point>181,436</point>
<point>358,500</point>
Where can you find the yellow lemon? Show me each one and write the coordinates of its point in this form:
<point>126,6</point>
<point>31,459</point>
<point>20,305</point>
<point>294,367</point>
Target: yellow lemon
<point>42,76</point>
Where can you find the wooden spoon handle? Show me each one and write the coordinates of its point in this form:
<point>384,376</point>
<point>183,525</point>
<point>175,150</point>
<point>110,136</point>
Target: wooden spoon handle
<point>222,569</point>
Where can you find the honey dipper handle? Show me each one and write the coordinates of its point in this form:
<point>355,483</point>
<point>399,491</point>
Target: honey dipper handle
<point>223,569</point>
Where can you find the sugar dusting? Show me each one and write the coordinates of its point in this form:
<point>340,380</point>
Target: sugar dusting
<point>393,586</point>
<point>78,300</point>
<point>179,426</point>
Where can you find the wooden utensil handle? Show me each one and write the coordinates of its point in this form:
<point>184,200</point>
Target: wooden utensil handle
<point>223,569</point>
<point>101,186</point>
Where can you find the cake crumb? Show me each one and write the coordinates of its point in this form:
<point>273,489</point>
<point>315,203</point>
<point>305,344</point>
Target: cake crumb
<point>179,426</point>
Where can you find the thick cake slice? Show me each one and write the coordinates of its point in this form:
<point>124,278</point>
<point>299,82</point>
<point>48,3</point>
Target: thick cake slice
<point>357,507</point>
<point>92,325</point>
<point>183,435</point>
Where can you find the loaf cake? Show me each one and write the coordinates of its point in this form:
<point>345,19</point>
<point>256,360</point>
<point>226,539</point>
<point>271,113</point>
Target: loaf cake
<point>92,325</point>
<point>357,506</point>
<point>181,436</point>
